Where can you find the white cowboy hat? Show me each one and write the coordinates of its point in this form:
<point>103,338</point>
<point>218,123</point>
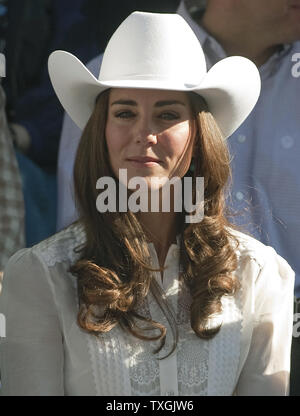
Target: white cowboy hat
<point>157,51</point>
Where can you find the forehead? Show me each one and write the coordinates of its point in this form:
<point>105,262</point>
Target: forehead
<point>147,95</point>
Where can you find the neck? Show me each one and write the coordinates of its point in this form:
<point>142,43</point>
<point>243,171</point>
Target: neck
<point>238,36</point>
<point>161,229</point>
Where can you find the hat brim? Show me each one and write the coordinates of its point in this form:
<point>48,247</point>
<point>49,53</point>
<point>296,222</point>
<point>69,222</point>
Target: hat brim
<point>230,88</point>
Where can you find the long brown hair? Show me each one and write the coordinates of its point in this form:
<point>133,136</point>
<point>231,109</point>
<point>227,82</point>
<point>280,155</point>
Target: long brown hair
<point>114,271</point>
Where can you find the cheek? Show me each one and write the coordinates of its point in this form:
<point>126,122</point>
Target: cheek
<point>113,140</point>
<point>180,145</point>
<point>177,139</point>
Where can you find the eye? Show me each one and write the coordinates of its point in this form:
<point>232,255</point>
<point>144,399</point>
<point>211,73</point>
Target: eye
<point>169,115</point>
<point>124,114</point>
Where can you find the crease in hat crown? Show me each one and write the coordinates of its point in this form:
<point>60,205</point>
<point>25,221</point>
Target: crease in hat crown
<point>157,51</point>
<point>140,49</point>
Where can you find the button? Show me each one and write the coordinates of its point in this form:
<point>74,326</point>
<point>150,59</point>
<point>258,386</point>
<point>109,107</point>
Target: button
<point>241,138</point>
<point>287,142</point>
<point>239,195</point>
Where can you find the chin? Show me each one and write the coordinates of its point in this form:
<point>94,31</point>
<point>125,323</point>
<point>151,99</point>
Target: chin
<point>152,182</point>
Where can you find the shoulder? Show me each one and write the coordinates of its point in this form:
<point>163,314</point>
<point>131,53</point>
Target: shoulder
<point>29,271</point>
<point>59,248</point>
<point>248,247</point>
<point>267,280</point>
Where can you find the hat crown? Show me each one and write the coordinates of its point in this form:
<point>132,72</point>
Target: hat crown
<point>154,47</point>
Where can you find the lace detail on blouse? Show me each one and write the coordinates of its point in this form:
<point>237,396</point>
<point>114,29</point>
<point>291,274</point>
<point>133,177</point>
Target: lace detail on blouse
<point>142,362</point>
<point>192,361</point>
<point>143,369</point>
<point>60,247</point>
<point>192,355</point>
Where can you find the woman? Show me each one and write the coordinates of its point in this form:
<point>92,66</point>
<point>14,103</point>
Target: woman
<point>144,302</point>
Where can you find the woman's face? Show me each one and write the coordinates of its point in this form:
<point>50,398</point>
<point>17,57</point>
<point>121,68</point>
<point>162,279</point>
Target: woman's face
<point>148,132</point>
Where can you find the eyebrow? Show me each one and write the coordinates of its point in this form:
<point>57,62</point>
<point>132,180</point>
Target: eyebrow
<point>157,104</point>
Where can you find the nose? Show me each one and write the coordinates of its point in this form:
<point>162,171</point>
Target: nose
<point>145,132</point>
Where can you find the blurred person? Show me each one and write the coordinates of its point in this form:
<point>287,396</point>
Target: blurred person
<point>32,30</point>
<point>41,27</point>
<point>169,306</point>
<point>266,148</point>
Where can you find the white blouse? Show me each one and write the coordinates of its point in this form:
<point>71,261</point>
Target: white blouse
<point>46,353</point>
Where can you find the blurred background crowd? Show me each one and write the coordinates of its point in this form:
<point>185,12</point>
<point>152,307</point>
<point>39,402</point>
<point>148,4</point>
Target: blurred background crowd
<point>38,141</point>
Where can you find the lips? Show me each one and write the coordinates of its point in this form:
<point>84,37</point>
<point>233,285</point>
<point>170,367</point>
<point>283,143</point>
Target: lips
<point>143,159</point>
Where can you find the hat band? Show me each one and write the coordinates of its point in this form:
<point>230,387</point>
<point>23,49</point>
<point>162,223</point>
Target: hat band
<point>143,82</point>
